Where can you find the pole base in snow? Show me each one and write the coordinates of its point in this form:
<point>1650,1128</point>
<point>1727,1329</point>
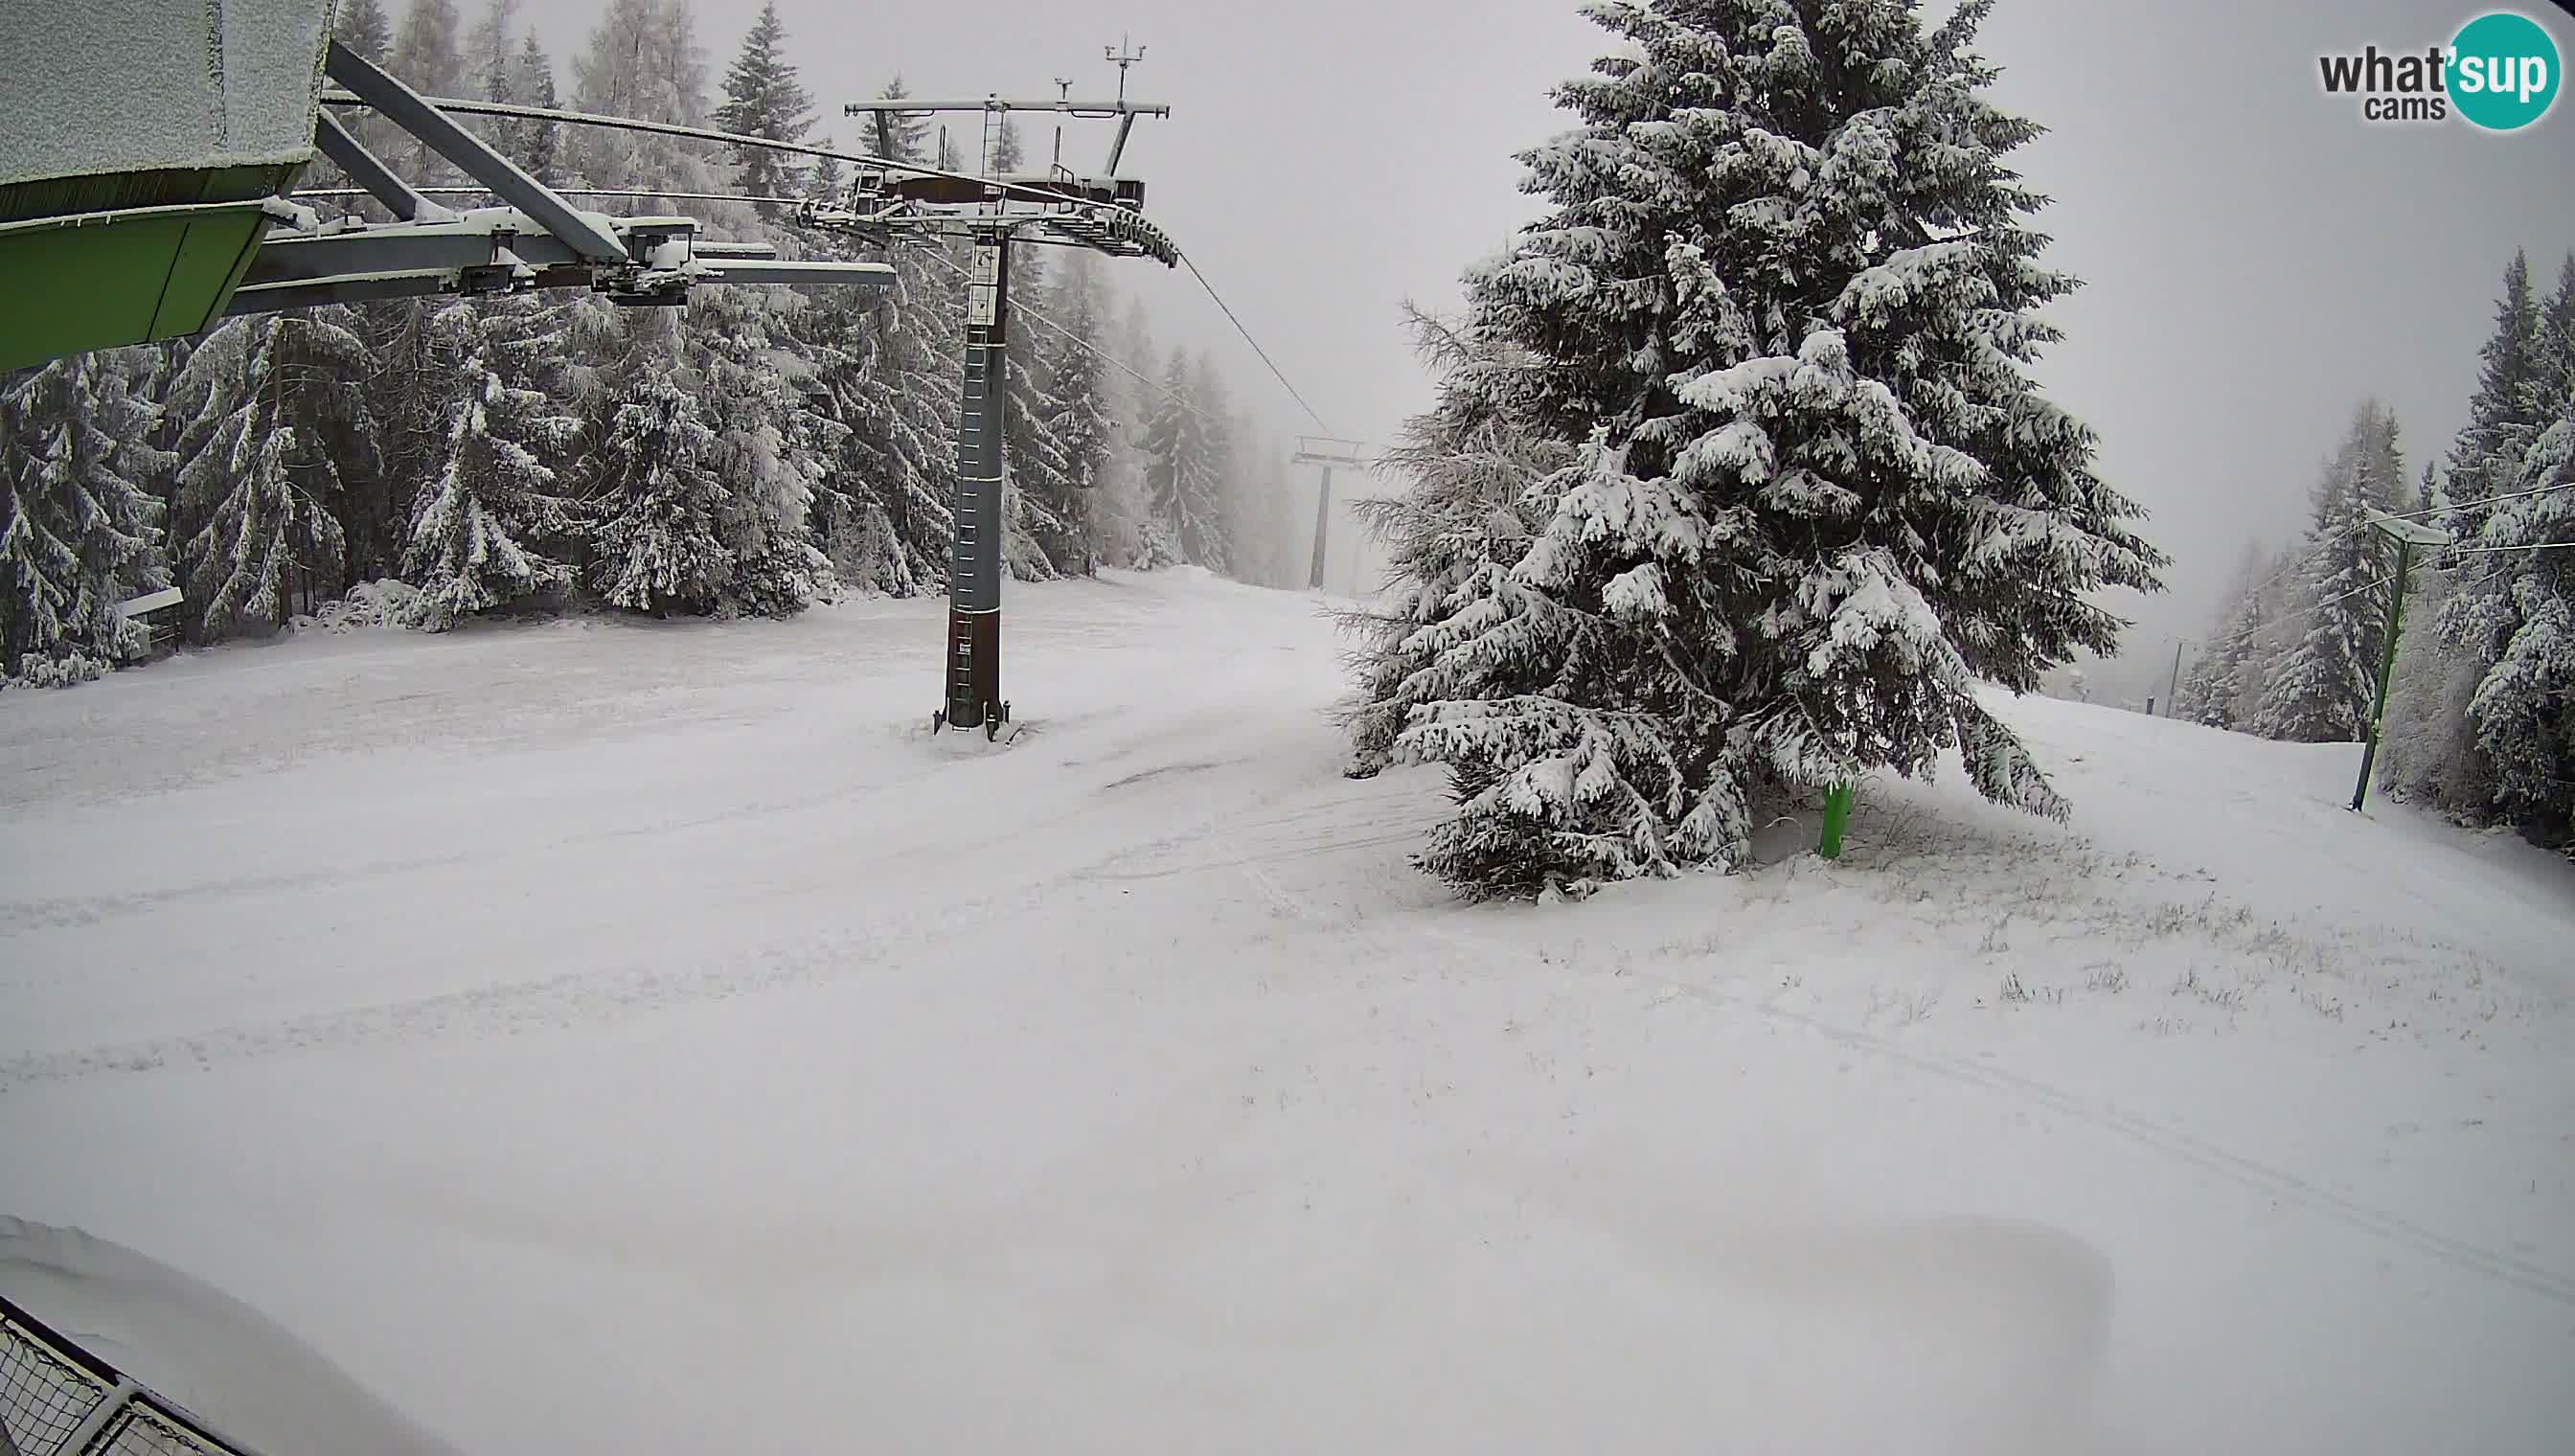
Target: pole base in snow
<point>998,728</point>
<point>992,724</point>
<point>974,672</point>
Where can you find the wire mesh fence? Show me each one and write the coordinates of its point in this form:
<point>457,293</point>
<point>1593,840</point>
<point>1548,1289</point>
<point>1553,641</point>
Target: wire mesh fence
<point>57,1399</point>
<point>46,1390</point>
<point>143,1429</point>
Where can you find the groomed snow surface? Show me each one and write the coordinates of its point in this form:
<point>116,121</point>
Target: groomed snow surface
<point>615,1036</point>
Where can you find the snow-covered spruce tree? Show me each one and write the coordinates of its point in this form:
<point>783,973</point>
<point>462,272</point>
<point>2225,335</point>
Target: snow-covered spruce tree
<point>490,56</point>
<point>2506,412</point>
<point>488,526</point>
<point>1043,515</point>
<point>412,386</point>
<point>1286,523</point>
<point>362,27</point>
<point>428,57</point>
<point>657,537</point>
<point>2428,751</point>
<point>2523,595</point>
<point>1085,426</point>
<point>2216,693</point>
<point>2557,335</point>
<point>1121,516</point>
<point>1179,476</point>
<point>1218,544</point>
<point>277,418</point>
<point>841,353</point>
<point>2321,690</point>
<point>1273,529</point>
<point>2282,626</point>
<point>825,179</point>
<point>643,61</point>
<point>1470,464</point>
<point>79,530</point>
<point>1043,538</point>
<point>535,145</point>
<point>411,393</point>
<point>896,377</point>
<point>763,98</point>
<point>2436,733</point>
<point>1784,294</point>
<point>769,447</point>
<point>922,331</point>
<point>2205,695</point>
<point>1232,454</point>
<point>365,27</point>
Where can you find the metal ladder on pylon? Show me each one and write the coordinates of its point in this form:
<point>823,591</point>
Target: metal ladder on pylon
<point>994,116</point>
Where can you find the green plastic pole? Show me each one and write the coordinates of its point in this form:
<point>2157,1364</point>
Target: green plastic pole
<point>2386,671</point>
<point>1837,805</point>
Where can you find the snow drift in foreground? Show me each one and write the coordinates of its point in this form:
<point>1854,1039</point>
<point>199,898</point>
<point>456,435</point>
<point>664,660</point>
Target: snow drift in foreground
<point>195,1346</point>
<point>616,1037</point>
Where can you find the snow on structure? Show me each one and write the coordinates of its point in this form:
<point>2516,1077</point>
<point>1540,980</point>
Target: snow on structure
<point>191,1343</point>
<point>105,85</point>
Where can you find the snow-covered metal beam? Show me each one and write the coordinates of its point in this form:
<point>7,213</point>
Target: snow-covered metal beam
<point>278,209</point>
<point>475,239</point>
<point>272,298</point>
<point>404,107</point>
<point>2410,530</point>
<point>1323,450</point>
<point>372,266</point>
<point>795,274</point>
<point>1038,186</point>
<point>364,169</point>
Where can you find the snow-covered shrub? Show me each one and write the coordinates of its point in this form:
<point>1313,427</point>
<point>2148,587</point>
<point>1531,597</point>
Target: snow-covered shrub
<point>68,671</point>
<point>385,604</point>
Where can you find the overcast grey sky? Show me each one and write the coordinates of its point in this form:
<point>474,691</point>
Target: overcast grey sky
<point>2258,259</point>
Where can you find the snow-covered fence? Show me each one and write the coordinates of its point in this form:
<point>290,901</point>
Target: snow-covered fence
<point>57,1399</point>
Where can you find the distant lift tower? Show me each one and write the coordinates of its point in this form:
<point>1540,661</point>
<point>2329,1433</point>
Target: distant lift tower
<point>1058,207</point>
<point>1328,452</point>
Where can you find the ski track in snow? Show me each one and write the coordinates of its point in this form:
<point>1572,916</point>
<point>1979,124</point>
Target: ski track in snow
<point>1238,1119</point>
<point>2251,1173</point>
<point>2260,1176</point>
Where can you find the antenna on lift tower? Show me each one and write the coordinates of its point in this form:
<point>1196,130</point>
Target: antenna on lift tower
<point>1122,60</point>
<point>1064,98</point>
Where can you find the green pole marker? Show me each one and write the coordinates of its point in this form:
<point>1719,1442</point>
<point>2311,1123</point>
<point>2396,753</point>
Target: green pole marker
<point>2386,671</point>
<point>1837,805</point>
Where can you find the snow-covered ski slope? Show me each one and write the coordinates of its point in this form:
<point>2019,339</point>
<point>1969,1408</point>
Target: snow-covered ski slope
<point>611,1036</point>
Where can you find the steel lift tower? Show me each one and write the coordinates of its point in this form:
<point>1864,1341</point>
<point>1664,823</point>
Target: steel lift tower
<point>1058,207</point>
<point>1328,452</point>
